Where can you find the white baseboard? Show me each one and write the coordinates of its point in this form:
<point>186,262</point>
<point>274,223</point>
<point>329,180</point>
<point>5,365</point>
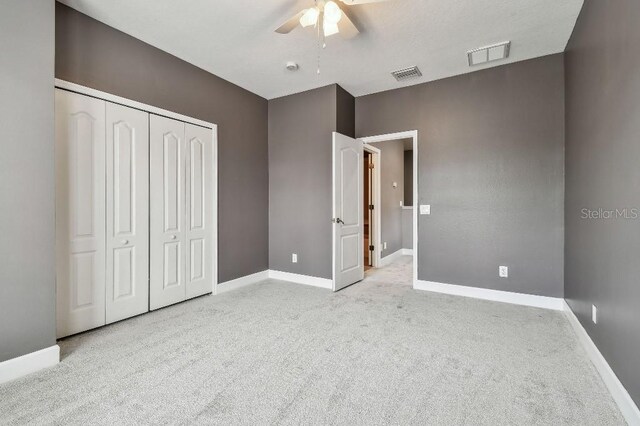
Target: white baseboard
<point>555,303</point>
<point>301,279</point>
<point>620,395</point>
<point>242,282</point>
<point>407,252</point>
<point>30,363</point>
<point>391,257</point>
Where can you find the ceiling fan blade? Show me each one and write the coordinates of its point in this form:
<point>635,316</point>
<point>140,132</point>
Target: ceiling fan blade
<point>351,2</point>
<point>347,27</point>
<point>291,23</point>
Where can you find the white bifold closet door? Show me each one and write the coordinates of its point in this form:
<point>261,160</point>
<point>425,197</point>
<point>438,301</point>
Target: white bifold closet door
<point>181,238</point>
<point>102,212</point>
<point>80,212</point>
<point>127,164</point>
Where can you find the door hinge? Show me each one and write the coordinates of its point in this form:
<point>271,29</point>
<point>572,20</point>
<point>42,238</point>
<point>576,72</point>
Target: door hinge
<point>371,165</point>
<point>370,248</point>
<point>370,206</point>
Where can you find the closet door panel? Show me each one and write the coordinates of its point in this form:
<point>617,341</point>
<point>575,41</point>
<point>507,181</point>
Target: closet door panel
<point>199,210</point>
<point>127,263</point>
<point>80,212</point>
<point>168,237</point>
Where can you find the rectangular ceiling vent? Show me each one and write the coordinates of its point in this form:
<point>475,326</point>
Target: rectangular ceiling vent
<point>406,73</point>
<point>485,54</point>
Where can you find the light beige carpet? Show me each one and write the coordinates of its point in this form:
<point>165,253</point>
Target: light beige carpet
<point>377,352</point>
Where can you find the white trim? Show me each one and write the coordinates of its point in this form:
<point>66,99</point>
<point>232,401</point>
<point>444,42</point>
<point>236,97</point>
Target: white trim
<point>620,395</point>
<point>242,282</point>
<point>84,90</point>
<point>15,368</point>
<point>391,257</point>
<point>554,303</point>
<point>301,279</point>
<point>376,201</point>
<point>407,207</point>
<point>413,134</point>
<point>214,253</point>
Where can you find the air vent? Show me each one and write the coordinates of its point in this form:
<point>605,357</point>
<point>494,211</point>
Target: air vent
<point>406,73</point>
<point>485,54</point>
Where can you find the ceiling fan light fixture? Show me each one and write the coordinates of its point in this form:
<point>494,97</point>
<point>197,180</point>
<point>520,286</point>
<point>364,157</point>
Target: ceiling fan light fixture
<point>330,29</point>
<point>332,13</point>
<point>309,17</point>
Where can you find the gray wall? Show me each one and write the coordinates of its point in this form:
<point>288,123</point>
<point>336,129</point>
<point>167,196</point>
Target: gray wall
<point>491,163</point>
<point>345,112</point>
<point>408,178</point>
<point>300,202</point>
<point>98,56</point>
<point>407,228</point>
<point>602,65</point>
<point>391,170</point>
<point>27,286</point>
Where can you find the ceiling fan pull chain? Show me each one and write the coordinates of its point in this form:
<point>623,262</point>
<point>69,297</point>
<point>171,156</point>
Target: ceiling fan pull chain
<point>319,43</point>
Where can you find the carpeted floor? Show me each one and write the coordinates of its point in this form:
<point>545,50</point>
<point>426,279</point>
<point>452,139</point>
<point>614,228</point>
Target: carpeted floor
<point>375,353</point>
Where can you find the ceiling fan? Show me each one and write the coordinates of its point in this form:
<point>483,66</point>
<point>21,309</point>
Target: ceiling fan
<point>325,15</point>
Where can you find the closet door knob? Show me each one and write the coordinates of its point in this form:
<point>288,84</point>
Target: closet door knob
<point>125,241</point>
<point>173,237</point>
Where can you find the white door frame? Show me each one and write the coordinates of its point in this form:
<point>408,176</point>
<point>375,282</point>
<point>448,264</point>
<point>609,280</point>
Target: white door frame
<point>413,134</point>
<point>83,90</point>
<point>375,200</point>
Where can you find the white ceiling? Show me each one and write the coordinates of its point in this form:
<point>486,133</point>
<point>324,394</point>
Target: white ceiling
<point>234,39</point>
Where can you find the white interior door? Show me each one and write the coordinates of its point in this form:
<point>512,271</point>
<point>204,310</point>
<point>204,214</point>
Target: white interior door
<point>167,218</point>
<point>199,210</point>
<point>348,256</point>
<point>80,212</point>
<point>127,263</point>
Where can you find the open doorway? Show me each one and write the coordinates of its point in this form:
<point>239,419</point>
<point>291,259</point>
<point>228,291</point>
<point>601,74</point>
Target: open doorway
<point>352,208</point>
<point>389,197</point>
<point>387,201</point>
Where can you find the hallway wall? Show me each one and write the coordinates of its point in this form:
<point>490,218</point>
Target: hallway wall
<point>491,165</point>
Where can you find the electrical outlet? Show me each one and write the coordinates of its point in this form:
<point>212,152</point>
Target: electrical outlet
<point>425,208</point>
<point>294,258</point>
<point>594,314</point>
<point>384,245</point>
<point>503,271</point>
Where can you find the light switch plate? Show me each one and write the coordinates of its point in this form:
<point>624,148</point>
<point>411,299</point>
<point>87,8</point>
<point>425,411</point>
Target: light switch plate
<point>425,209</point>
<point>294,258</point>
<point>594,314</point>
<point>503,271</point>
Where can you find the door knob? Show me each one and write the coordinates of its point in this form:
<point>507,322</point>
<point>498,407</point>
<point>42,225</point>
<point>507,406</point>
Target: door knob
<point>173,237</point>
<point>338,220</point>
<point>125,241</point>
